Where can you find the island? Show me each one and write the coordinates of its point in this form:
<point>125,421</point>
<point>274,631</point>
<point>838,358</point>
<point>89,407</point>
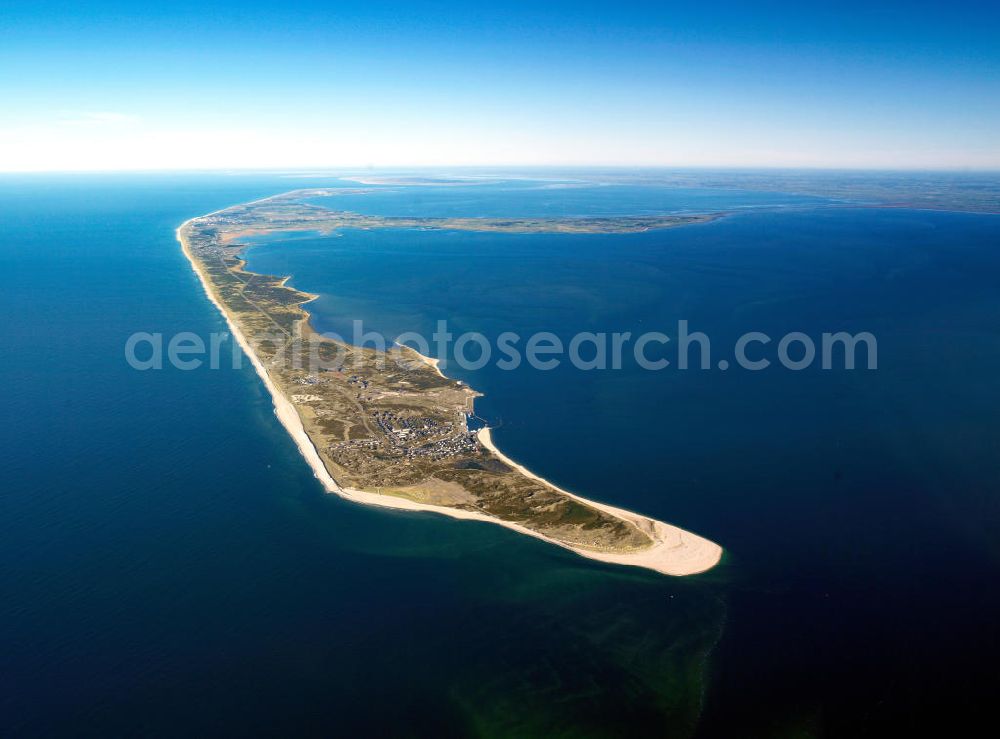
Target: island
<point>394,431</point>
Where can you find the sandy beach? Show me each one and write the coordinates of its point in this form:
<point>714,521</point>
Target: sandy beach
<point>430,361</point>
<point>674,551</point>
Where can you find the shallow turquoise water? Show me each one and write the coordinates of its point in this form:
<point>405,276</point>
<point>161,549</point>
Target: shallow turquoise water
<point>169,563</point>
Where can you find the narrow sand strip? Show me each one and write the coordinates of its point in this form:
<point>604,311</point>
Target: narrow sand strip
<point>674,552</point>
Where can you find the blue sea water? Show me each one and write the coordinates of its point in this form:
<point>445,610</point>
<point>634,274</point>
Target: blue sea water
<point>548,198</point>
<point>168,564</point>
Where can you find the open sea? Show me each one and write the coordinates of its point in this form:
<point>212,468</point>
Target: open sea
<point>169,566</point>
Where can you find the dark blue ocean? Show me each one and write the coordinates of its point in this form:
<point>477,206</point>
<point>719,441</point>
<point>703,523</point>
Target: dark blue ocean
<point>168,564</point>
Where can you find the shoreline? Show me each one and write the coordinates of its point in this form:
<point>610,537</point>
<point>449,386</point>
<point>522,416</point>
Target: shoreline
<point>674,551</point>
<point>429,361</point>
<point>701,554</point>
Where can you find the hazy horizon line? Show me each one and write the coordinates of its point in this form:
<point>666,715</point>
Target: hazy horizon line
<point>338,170</point>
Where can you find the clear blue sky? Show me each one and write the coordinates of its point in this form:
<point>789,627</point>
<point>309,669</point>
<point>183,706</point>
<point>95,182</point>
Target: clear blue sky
<point>311,84</point>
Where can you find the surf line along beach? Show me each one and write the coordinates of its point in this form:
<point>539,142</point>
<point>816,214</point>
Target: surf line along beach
<point>673,551</point>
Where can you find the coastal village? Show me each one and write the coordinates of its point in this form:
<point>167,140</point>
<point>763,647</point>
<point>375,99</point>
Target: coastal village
<point>399,434</point>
